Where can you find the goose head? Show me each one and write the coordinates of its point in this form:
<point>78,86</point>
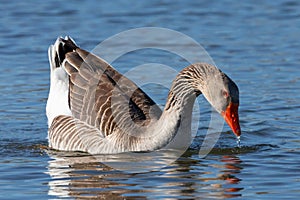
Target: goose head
<point>219,90</point>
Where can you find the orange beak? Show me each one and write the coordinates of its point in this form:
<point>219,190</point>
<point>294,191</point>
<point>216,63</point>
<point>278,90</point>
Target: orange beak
<point>231,116</point>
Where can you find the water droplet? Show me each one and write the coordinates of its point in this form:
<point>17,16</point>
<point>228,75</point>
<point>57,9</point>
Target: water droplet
<point>238,141</point>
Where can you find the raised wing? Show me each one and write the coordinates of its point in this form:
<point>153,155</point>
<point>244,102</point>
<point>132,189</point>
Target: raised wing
<point>99,95</point>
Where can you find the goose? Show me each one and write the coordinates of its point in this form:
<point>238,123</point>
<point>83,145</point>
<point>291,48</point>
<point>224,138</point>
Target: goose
<point>93,108</point>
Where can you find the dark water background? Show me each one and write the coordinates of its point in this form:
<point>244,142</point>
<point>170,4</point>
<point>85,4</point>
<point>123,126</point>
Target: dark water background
<point>254,42</point>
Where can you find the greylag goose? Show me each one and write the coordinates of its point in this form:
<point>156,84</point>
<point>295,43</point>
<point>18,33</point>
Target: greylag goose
<point>93,108</point>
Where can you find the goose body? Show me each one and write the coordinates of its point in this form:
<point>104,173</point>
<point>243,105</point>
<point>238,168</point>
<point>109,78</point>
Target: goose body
<point>93,108</point>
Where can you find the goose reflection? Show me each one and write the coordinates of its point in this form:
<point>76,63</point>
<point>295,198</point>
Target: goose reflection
<point>80,175</point>
<point>231,169</point>
<point>208,178</point>
<point>106,176</point>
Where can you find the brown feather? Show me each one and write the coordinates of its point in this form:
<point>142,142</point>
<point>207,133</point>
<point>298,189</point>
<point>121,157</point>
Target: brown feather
<point>96,88</point>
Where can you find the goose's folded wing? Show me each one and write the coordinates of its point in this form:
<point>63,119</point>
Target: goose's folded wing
<point>102,97</point>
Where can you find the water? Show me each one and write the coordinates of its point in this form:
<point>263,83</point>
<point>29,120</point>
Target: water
<point>256,43</point>
<point>238,141</point>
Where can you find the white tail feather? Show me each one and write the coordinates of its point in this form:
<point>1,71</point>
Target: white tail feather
<point>57,103</point>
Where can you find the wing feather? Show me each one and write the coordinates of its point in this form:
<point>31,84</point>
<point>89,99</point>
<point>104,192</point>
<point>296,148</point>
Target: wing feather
<point>101,97</point>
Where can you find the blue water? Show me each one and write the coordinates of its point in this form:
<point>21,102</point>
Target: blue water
<point>255,42</point>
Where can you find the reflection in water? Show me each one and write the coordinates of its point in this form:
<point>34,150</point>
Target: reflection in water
<point>83,176</point>
<point>232,168</point>
<point>209,177</point>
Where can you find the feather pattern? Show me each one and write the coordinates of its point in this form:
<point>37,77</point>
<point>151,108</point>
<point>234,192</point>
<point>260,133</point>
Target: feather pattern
<point>93,108</point>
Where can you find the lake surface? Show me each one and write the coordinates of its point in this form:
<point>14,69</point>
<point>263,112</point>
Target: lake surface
<point>256,43</point>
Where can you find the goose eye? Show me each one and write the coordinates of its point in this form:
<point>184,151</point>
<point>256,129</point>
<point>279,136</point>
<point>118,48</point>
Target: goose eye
<point>225,94</point>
